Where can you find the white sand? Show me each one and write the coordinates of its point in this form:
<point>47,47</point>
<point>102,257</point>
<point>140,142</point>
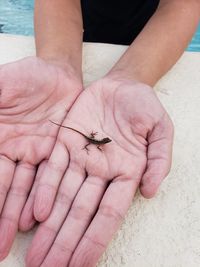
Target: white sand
<point>163,231</point>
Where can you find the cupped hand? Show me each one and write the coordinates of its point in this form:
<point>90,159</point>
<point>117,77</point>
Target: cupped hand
<point>32,91</point>
<point>94,188</point>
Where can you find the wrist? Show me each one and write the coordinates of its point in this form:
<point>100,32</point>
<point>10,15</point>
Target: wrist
<point>134,74</point>
<point>121,76</point>
<point>67,64</point>
<point>122,79</point>
<point>68,67</point>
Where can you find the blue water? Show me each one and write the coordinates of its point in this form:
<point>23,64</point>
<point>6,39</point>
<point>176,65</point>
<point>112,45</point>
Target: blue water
<point>16,17</point>
<point>195,43</point>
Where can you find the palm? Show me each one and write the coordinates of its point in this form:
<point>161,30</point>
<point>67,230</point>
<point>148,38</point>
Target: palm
<point>98,185</point>
<point>108,115</point>
<point>127,115</point>
<point>32,92</point>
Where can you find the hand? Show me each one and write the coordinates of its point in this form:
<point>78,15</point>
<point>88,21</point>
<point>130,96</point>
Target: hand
<point>96,187</point>
<point>32,91</point>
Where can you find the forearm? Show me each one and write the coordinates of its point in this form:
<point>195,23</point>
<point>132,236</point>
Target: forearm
<point>161,43</point>
<point>58,32</point>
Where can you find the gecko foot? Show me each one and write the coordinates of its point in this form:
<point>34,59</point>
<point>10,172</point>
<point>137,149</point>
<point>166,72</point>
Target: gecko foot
<point>99,148</point>
<point>86,148</point>
<point>93,134</point>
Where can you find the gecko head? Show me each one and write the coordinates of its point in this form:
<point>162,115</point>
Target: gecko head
<point>106,140</point>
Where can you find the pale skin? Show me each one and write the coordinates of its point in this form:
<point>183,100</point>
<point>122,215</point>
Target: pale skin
<point>38,89</point>
<point>100,183</point>
<point>141,132</point>
<point>27,138</point>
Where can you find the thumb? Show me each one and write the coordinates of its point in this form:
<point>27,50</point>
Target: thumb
<point>13,84</point>
<point>159,156</point>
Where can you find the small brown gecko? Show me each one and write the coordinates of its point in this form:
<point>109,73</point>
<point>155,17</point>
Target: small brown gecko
<point>91,139</point>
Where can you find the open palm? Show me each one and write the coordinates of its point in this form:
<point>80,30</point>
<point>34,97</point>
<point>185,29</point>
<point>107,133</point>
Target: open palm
<point>94,189</point>
<point>31,92</point>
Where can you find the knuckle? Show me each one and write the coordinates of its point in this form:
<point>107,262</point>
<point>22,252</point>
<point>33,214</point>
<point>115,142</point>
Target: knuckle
<point>83,260</point>
<point>3,189</point>
<point>95,242</point>
<point>48,228</point>
<point>63,248</point>
<point>26,166</point>
<point>18,191</point>
<point>45,186</point>
<point>153,171</point>
<point>54,166</point>
<point>80,213</point>
<point>110,212</point>
<point>96,181</point>
<point>10,219</point>
<point>63,198</point>
<point>88,254</point>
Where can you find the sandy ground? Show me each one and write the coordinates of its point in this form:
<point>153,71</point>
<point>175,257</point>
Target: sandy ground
<point>163,231</point>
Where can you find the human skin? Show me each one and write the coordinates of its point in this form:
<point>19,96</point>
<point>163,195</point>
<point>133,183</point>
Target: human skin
<point>95,189</point>
<point>34,90</point>
<point>133,67</point>
<point>91,210</point>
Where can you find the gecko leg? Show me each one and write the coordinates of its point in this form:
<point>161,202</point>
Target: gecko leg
<point>99,147</point>
<point>86,148</point>
<point>93,134</point>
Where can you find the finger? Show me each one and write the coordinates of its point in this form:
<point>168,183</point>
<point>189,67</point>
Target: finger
<point>47,231</point>
<point>77,221</point>
<point>27,219</point>
<point>107,220</point>
<point>7,168</point>
<point>50,181</point>
<point>17,195</point>
<point>159,157</point>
